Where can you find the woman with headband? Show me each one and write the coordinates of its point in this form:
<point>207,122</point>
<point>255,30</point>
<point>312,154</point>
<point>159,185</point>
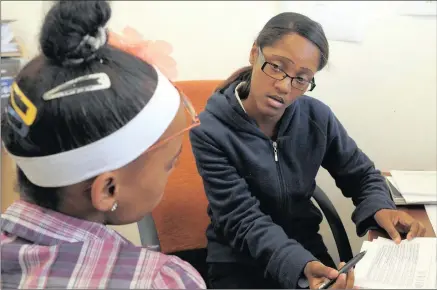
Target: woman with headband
<point>95,132</point>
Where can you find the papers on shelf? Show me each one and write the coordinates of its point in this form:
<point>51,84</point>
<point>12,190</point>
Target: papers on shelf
<point>7,38</point>
<point>10,48</point>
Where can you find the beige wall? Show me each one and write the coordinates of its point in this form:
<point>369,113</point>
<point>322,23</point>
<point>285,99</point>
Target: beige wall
<point>383,89</point>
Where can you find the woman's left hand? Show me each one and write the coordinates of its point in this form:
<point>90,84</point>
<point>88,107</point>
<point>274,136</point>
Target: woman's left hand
<point>396,221</point>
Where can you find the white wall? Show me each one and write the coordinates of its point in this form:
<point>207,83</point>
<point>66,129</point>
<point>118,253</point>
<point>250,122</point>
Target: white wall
<point>383,89</point>
<point>201,32</point>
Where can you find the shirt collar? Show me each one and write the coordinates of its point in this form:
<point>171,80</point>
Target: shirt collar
<point>46,227</point>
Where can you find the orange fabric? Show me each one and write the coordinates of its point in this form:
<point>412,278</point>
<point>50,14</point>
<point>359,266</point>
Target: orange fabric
<point>181,217</point>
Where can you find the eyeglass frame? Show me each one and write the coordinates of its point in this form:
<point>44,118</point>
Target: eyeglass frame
<point>265,63</point>
<point>194,120</point>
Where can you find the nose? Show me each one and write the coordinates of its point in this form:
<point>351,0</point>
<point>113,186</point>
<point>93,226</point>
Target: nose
<point>283,86</point>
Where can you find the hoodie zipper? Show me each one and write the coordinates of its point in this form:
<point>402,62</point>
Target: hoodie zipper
<point>275,151</point>
<point>278,168</point>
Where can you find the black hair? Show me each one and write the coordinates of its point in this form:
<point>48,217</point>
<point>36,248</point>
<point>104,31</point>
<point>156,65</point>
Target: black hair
<point>74,121</point>
<point>280,25</point>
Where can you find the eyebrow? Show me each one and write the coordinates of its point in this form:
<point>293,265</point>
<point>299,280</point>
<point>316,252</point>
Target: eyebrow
<point>286,58</point>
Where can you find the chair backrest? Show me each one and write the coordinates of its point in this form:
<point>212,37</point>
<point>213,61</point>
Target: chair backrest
<point>181,217</point>
<point>335,223</point>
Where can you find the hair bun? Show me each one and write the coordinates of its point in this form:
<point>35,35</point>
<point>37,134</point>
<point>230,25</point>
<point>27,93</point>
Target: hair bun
<point>69,24</point>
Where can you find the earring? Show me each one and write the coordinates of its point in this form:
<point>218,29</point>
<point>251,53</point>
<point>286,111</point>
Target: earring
<point>114,207</point>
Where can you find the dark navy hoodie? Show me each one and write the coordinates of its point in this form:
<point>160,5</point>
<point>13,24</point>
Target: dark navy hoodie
<point>259,190</point>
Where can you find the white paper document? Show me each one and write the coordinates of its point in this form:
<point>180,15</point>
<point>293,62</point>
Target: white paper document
<point>399,199</point>
<point>410,265</point>
<point>7,37</point>
<point>416,186</point>
<point>431,211</point>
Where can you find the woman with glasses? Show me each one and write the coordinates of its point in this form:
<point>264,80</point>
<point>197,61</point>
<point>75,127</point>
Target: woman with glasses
<point>95,132</point>
<point>258,149</point>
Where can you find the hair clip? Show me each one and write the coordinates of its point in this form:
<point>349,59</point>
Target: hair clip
<point>16,122</point>
<point>153,52</point>
<point>29,116</point>
<point>88,83</point>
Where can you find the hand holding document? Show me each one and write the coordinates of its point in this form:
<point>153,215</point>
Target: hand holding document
<point>409,265</point>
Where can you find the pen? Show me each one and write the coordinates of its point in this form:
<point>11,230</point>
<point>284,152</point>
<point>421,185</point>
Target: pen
<point>349,265</point>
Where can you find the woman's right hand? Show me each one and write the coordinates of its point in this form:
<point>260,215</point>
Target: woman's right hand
<point>317,274</point>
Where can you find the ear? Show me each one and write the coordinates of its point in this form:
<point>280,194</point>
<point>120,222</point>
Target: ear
<point>103,191</point>
<point>253,54</point>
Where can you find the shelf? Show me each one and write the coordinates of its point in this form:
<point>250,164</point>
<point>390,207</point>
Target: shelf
<point>15,54</point>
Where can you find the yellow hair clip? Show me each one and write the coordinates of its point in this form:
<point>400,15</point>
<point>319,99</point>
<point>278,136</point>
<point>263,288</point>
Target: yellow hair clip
<point>29,116</point>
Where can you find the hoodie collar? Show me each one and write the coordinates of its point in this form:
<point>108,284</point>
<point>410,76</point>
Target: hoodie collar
<point>225,107</point>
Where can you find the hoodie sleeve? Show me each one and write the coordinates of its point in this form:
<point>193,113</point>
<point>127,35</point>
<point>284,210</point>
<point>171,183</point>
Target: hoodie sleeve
<point>235,214</point>
<point>356,176</point>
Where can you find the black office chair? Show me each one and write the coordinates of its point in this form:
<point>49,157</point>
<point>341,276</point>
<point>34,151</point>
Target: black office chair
<point>335,223</point>
<point>197,257</point>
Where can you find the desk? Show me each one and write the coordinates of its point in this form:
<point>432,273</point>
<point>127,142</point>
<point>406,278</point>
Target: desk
<point>416,211</point>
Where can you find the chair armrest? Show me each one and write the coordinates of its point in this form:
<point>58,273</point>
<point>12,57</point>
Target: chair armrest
<point>148,233</point>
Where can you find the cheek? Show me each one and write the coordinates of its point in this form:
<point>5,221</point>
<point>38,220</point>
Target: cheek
<point>152,189</point>
<point>293,95</point>
<point>146,191</point>
<point>261,84</point>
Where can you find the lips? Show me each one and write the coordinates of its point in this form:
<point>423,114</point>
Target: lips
<point>275,102</point>
<point>278,99</point>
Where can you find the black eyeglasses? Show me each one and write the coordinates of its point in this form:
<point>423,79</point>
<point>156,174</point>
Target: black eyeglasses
<point>275,72</point>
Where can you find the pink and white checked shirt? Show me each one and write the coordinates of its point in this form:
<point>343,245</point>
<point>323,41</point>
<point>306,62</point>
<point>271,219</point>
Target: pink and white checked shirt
<point>41,248</point>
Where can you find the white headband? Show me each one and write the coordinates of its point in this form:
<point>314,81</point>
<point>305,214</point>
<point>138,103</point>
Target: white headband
<point>112,152</point>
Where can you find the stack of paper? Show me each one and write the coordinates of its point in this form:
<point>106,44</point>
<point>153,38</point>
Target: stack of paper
<point>7,37</point>
<point>386,265</point>
<point>431,210</point>
<point>413,187</point>
<point>9,47</point>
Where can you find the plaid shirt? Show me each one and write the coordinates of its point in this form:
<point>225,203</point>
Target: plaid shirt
<point>41,248</point>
